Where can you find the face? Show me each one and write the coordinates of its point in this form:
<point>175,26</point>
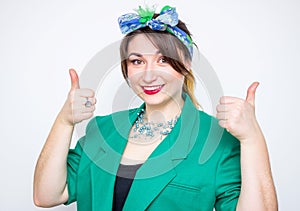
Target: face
<point>150,76</point>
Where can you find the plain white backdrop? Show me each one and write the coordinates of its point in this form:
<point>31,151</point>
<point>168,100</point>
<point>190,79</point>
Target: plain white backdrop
<point>244,41</point>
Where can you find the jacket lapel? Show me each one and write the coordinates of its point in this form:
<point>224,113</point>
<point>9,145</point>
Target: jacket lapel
<point>104,145</point>
<point>159,169</point>
<point>150,179</point>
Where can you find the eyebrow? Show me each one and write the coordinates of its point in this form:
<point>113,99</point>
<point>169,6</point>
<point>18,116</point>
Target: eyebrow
<point>141,55</point>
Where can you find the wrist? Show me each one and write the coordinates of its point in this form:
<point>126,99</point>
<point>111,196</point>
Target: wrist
<point>253,140</point>
<point>64,120</point>
<point>254,135</point>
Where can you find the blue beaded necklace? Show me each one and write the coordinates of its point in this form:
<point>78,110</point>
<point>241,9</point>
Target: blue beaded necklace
<point>148,130</point>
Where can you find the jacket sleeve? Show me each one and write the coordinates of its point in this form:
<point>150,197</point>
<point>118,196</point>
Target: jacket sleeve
<point>228,175</point>
<point>73,161</point>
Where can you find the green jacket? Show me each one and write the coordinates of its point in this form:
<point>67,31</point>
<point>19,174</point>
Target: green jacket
<point>196,167</point>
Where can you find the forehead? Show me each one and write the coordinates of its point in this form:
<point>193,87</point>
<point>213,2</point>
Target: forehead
<point>142,45</point>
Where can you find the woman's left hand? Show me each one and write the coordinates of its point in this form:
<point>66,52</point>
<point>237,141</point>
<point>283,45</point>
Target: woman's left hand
<point>237,115</point>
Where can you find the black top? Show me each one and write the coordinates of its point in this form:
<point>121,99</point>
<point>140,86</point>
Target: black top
<point>123,182</point>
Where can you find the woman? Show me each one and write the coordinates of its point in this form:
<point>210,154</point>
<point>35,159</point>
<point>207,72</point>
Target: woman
<point>148,158</point>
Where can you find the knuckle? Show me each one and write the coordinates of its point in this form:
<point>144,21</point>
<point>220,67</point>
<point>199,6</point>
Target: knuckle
<point>221,123</point>
<point>222,99</point>
<point>89,92</point>
<point>94,101</point>
<point>229,126</point>
<point>92,93</point>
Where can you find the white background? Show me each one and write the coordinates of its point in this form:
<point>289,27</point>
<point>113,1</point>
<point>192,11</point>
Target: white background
<point>244,41</point>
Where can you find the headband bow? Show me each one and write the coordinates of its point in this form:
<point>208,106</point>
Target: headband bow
<point>166,21</point>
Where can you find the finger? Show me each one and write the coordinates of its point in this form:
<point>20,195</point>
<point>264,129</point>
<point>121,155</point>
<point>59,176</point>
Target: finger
<point>230,108</point>
<point>222,115</point>
<point>85,93</point>
<point>82,100</point>
<point>81,109</point>
<point>74,79</point>
<point>250,98</point>
<point>92,100</point>
<point>223,123</point>
<point>90,109</point>
<point>229,100</point>
<point>222,107</point>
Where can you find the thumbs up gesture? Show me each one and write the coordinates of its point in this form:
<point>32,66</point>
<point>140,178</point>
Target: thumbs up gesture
<point>80,103</point>
<point>237,115</point>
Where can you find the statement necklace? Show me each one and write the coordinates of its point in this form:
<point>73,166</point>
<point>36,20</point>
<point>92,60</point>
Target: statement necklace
<point>149,131</point>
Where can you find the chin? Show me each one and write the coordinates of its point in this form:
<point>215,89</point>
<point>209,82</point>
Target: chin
<point>151,99</point>
<point>156,99</point>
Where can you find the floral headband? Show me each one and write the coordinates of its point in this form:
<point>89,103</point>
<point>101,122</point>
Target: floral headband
<point>166,21</point>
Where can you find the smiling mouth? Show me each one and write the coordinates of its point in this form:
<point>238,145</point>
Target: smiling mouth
<point>151,90</point>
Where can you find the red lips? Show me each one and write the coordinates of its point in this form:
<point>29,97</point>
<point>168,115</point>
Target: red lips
<point>151,90</point>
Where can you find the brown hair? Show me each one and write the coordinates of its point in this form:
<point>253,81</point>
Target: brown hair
<point>173,50</point>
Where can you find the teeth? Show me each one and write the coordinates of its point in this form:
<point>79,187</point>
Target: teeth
<point>150,88</point>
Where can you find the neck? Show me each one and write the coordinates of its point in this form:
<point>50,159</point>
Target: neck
<point>164,112</point>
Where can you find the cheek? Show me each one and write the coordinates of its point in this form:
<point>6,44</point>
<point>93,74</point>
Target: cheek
<point>134,72</point>
<point>133,77</point>
<point>173,75</point>
<point>176,80</point>
<point>177,75</point>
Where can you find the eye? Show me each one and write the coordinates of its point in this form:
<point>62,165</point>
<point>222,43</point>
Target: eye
<point>136,61</point>
<point>162,60</point>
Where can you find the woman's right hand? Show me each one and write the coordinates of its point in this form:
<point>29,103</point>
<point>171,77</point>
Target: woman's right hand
<point>50,175</point>
<point>75,109</point>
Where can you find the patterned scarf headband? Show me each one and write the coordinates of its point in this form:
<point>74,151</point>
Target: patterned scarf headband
<point>166,21</point>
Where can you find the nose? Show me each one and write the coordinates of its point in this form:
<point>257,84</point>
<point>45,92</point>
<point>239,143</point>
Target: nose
<point>150,74</point>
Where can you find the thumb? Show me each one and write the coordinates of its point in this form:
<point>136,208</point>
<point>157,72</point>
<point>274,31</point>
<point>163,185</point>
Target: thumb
<point>74,79</point>
<point>251,93</point>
